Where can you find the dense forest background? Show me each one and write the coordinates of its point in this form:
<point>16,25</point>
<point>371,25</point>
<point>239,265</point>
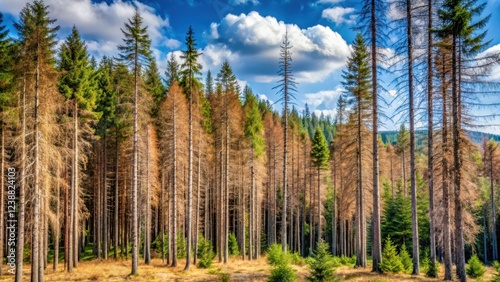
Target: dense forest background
<point>115,160</point>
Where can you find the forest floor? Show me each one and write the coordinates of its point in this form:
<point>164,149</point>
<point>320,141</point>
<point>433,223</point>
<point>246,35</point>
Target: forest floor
<point>236,269</point>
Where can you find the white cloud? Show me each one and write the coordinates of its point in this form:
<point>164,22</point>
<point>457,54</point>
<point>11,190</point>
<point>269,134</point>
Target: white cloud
<point>330,113</point>
<point>172,43</point>
<point>240,2</point>
<point>495,70</point>
<point>324,100</point>
<point>251,43</point>
<point>337,15</point>
<point>392,93</point>
<point>99,23</point>
<point>323,2</point>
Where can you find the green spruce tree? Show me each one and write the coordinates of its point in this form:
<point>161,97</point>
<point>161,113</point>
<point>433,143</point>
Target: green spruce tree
<point>136,53</point>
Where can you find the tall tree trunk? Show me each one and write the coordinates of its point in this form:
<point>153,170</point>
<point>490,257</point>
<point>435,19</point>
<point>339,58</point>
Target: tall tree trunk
<point>457,162</point>
<point>198,196</point>
<point>376,239</point>
<point>35,240</point>
<point>285,155</point>
<point>57,225</point>
<point>189,218</point>
<point>147,225</point>
<point>105,198</point>
<point>413,173</point>
<point>494,247</point>
<point>319,205</point>
<point>135,211</point>
<point>226,185</point>
<point>76,192</point>
<point>117,200</point>
<point>22,189</point>
<point>251,218</point>
<point>445,177</point>
<point>430,133</point>
<point>361,227</point>
<point>173,236</point>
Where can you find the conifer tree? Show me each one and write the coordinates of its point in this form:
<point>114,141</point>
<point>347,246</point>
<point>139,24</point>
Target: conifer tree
<point>76,84</point>
<point>254,130</point>
<point>154,86</point>
<point>37,39</point>
<point>135,52</point>
<point>286,88</point>
<point>357,81</point>
<point>465,43</point>
<point>319,155</point>
<point>190,68</point>
<point>172,71</point>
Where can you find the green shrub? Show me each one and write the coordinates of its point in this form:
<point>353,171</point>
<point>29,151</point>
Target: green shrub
<point>322,266</point>
<point>233,245</point>
<point>282,273</point>
<point>205,253</point>
<point>429,269</point>
<point>296,259</point>
<point>275,255</point>
<point>224,277</point>
<point>345,260</point>
<point>181,246</point>
<point>391,263</point>
<point>496,278</point>
<point>406,259</point>
<point>475,268</point>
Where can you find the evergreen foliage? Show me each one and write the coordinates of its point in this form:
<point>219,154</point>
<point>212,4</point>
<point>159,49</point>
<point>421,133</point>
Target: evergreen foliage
<point>391,262</point>
<point>206,253</point>
<point>322,265</point>
<point>475,268</point>
<point>405,259</point>
<point>319,152</point>
<point>233,245</point>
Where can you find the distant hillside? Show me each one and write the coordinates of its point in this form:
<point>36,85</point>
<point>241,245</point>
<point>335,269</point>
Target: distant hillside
<point>421,135</point>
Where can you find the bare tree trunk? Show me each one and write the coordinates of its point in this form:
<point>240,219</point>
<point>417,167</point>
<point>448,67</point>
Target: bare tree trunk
<point>105,198</point>
<point>117,200</point>
<point>319,205</point>
<point>75,185</point>
<point>173,237</point>
<point>361,221</point>
<point>413,173</point>
<point>446,193</point>
<point>226,185</point>
<point>57,226</point>
<point>22,189</point>
<point>197,217</point>
<point>493,213</point>
<point>376,240</point>
<point>35,240</point>
<point>135,211</point>
<point>190,178</point>
<point>457,163</point>
<point>430,134</point>
<point>147,225</point>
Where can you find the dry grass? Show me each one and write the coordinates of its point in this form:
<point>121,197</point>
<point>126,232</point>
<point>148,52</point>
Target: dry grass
<point>238,270</point>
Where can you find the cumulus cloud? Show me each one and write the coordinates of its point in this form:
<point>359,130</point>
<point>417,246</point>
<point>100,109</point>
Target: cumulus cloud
<point>323,101</point>
<point>251,43</point>
<point>495,70</point>
<point>338,15</point>
<point>99,23</point>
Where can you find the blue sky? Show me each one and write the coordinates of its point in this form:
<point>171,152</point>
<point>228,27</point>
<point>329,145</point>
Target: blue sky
<point>247,33</point>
